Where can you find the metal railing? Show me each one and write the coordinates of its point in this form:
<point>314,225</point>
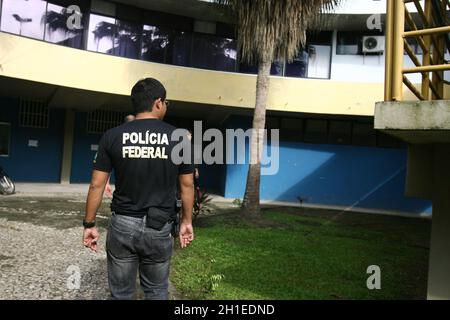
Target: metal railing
<point>430,27</point>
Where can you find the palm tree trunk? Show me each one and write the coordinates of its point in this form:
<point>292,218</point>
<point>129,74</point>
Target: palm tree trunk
<point>250,205</point>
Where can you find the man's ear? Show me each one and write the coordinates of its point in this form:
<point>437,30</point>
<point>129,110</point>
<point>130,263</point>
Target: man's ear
<point>158,103</point>
<point>155,105</point>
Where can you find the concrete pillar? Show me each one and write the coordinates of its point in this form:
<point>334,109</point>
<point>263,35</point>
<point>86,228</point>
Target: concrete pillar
<point>419,175</point>
<point>439,265</point>
<point>66,166</point>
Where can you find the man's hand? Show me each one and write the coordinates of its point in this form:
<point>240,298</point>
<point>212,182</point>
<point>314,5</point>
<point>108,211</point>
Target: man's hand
<point>186,234</point>
<point>187,197</point>
<point>90,238</point>
<point>93,202</point>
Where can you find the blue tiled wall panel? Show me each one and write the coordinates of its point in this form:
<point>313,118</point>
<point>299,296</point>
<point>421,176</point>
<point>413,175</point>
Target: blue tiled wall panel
<point>348,176</point>
<point>33,164</point>
<point>82,154</point>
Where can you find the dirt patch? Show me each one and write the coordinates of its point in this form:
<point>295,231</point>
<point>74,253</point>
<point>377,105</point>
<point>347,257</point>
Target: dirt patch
<point>57,213</point>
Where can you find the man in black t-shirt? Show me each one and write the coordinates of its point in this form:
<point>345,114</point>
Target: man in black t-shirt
<point>108,189</point>
<point>143,205</point>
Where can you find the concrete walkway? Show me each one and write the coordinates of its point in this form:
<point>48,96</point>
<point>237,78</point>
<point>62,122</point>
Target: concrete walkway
<point>80,190</point>
<point>50,190</point>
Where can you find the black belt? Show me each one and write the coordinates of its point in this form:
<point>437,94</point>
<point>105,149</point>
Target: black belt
<point>141,215</point>
<point>129,214</point>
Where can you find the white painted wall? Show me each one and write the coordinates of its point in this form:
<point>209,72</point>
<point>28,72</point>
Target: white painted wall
<point>367,7</point>
<point>358,68</point>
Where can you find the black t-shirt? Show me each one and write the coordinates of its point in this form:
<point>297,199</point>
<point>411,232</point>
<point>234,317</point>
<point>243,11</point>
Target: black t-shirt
<point>145,176</point>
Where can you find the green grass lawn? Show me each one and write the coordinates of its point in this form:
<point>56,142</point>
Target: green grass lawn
<point>294,253</point>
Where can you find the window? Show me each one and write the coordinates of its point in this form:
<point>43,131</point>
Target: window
<point>299,66</point>
<point>100,121</point>
<point>181,50</point>
<point>56,30</point>
<point>311,63</point>
<point>23,17</point>
<point>155,43</point>
<point>350,42</point>
<point>101,34</point>
<point>127,39</point>
<point>33,114</point>
<point>5,137</point>
<point>276,69</point>
<point>214,53</point>
<point>42,20</point>
<point>319,62</point>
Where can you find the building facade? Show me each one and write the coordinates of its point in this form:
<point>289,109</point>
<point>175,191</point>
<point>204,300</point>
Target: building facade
<point>63,84</point>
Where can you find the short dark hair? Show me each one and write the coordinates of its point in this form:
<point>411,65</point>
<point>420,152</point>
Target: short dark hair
<point>144,94</point>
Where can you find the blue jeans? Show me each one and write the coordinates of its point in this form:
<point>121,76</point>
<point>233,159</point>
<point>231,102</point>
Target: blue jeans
<point>130,247</point>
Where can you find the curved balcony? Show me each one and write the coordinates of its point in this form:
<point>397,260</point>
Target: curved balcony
<point>42,62</point>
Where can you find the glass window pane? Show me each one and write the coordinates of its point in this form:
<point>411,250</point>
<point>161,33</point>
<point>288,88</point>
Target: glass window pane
<point>101,34</point>
<point>127,39</point>
<point>319,61</point>
<point>299,66</point>
<point>203,52</point>
<point>214,53</point>
<point>23,17</point>
<point>348,43</point>
<point>155,43</point>
<point>248,68</point>
<point>225,54</point>
<point>181,49</point>
<point>276,68</point>
<point>56,27</point>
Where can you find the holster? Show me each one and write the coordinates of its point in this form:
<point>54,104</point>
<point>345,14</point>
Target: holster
<point>176,218</point>
<point>157,218</point>
<point>175,226</point>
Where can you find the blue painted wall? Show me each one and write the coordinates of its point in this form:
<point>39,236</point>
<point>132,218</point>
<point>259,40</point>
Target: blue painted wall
<point>33,164</point>
<point>82,155</point>
<point>334,175</point>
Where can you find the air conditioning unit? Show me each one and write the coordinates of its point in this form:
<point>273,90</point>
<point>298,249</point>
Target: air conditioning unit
<point>373,44</point>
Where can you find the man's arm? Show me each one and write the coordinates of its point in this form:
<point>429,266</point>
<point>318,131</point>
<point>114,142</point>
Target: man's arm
<point>93,202</point>
<point>187,197</point>
<point>108,190</point>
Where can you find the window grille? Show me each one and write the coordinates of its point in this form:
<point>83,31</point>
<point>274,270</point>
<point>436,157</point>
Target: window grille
<point>99,121</point>
<point>33,114</point>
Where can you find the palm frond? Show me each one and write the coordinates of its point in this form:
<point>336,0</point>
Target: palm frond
<point>104,29</point>
<point>274,29</point>
<point>56,21</point>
